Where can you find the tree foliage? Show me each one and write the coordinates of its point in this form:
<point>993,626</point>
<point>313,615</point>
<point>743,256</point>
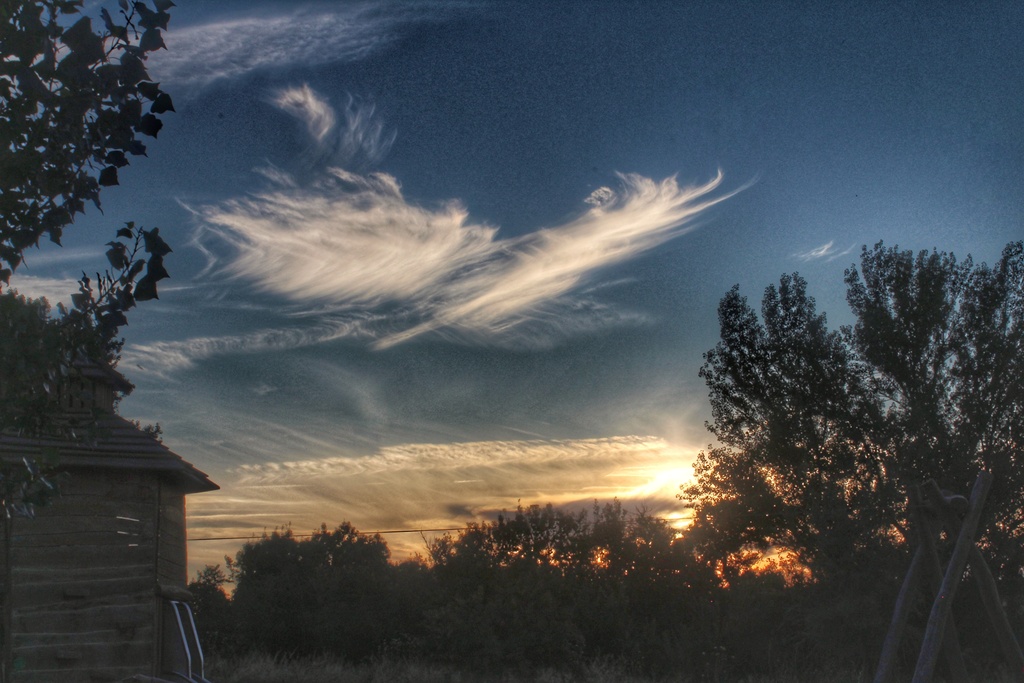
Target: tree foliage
<point>820,431</point>
<point>73,104</point>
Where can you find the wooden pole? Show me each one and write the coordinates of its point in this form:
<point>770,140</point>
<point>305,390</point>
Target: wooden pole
<point>911,582</point>
<point>925,670</point>
<point>988,592</point>
<point>950,640</point>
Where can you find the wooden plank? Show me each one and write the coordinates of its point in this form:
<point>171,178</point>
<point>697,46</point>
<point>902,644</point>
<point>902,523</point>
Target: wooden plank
<point>25,575</point>
<point>58,596</point>
<point>42,591</point>
<point>126,621</point>
<point>113,519</point>
<point>111,674</point>
<point>109,484</point>
<point>77,541</point>
<point>92,505</point>
<point>111,557</point>
<point>172,572</point>
<point>79,658</point>
<point>82,526</point>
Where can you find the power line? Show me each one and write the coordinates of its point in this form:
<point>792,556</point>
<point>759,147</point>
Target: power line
<point>359,533</point>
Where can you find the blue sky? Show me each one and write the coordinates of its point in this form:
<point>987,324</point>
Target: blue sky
<point>431,259</point>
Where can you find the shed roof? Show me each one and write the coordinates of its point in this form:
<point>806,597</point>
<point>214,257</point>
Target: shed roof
<point>115,443</point>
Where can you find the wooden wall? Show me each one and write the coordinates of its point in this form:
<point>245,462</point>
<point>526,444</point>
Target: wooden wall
<point>172,562</point>
<point>83,575</point>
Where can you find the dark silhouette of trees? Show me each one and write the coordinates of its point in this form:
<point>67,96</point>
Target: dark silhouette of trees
<point>537,588</point>
<point>327,593</point>
<point>821,431</point>
<point>211,607</point>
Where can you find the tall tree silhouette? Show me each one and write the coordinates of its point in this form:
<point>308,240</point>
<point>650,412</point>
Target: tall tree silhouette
<point>820,431</point>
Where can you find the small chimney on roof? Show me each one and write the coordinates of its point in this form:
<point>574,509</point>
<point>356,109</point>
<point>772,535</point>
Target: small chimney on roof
<point>93,387</point>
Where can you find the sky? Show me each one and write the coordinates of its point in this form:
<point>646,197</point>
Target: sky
<point>434,260</point>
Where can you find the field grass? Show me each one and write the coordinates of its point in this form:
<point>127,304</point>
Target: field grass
<point>266,669</point>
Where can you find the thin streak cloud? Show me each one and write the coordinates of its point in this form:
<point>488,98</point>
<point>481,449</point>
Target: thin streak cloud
<point>440,485</point>
<point>202,54</point>
<point>161,358</point>
<point>826,251</point>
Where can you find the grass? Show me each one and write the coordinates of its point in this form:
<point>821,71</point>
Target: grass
<point>267,669</point>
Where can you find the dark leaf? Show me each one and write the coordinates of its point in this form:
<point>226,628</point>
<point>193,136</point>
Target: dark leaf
<point>126,233</point>
<point>163,104</point>
<point>149,90</point>
<point>83,42</point>
<point>156,271</point>
<point>145,289</point>
<point>136,148</point>
<point>108,176</point>
<point>150,125</point>
<point>154,244</point>
<point>132,69</point>
<point>116,157</point>
<point>149,19</point>
<point>116,255</point>
<point>163,5</point>
<point>107,20</point>
<point>152,40</point>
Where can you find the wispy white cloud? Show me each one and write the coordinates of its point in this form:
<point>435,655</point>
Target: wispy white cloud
<point>308,34</point>
<point>827,251</point>
<point>353,241</point>
<point>360,142</point>
<point>309,107</point>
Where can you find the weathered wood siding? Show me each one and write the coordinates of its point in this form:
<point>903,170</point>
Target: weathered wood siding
<point>83,577</point>
<point>171,561</point>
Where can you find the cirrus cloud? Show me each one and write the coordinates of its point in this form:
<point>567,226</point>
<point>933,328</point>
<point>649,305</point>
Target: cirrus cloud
<point>308,34</point>
<point>352,241</point>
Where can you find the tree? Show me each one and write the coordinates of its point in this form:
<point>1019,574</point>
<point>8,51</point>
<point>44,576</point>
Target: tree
<point>212,608</point>
<point>71,112</point>
<point>820,431</point>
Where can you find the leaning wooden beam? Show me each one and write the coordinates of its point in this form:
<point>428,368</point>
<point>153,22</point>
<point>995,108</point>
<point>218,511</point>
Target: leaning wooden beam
<point>904,601</point>
<point>988,591</point>
<point>933,565</point>
<point>925,669</point>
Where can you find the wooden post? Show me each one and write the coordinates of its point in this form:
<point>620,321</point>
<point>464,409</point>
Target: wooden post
<point>911,582</point>
<point>925,669</point>
<point>987,591</point>
<point>927,533</point>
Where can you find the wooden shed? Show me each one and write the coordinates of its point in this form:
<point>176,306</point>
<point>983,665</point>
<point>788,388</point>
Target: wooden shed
<point>94,587</point>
